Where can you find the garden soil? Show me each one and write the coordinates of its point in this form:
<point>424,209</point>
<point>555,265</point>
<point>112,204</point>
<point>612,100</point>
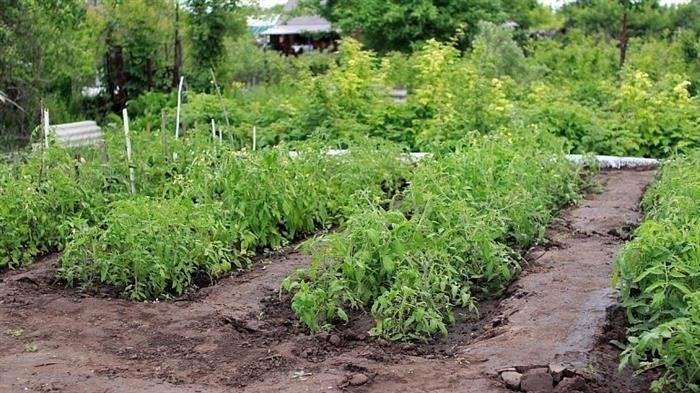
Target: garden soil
<point>554,323</point>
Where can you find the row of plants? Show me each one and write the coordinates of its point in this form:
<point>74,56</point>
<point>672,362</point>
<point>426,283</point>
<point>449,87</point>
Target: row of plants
<point>225,207</point>
<point>43,192</point>
<point>659,274</point>
<point>200,206</point>
<point>40,197</point>
<point>453,236</point>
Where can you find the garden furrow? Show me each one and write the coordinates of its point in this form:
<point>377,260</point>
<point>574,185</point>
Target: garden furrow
<point>557,313</point>
<point>61,340</point>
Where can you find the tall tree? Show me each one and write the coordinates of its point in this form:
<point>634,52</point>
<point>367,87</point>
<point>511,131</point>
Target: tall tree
<point>210,23</point>
<point>44,56</point>
<point>388,25</point>
<point>135,43</point>
<point>645,17</point>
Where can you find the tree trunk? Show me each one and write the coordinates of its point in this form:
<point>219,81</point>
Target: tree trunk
<point>177,63</point>
<point>149,73</point>
<point>623,40</point>
<point>116,77</point>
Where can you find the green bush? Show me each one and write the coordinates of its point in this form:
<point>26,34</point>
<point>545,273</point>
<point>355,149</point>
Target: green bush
<point>226,206</point>
<point>659,275</point>
<point>453,234</point>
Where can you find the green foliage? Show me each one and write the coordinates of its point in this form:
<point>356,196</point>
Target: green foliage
<point>210,210</point>
<point>44,54</point>
<point>635,112</point>
<point>497,54</point>
<point>149,247</point>
<point>399,25</point>
<point>210,22</point>
<point>39,198</point>
<point>142,29</point>
<point>452,236</point>
<point>571,88</point>
<point>646,17</point>
<point>658,273</point>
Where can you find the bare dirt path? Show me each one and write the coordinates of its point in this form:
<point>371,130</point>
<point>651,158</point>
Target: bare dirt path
<point>237,336</point>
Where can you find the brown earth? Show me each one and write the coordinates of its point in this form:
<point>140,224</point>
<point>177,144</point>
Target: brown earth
<point>239,336</point>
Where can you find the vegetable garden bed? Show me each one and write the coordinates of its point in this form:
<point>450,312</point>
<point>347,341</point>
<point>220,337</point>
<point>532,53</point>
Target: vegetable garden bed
<point>237,335</point>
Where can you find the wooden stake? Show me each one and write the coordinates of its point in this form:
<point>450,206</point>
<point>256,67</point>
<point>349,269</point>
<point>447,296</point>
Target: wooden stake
<point>179,105</point>
<point>255,137</point>
<point>132,175</point>
<point>105,158</point>
<point>163,135</point>
<point>45,119</point>
<point>221,98</point>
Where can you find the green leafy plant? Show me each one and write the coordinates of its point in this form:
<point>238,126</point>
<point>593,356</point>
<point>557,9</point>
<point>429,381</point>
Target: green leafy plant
<point>659,276</point>
<point>452,236</point>
<point>214,213</point>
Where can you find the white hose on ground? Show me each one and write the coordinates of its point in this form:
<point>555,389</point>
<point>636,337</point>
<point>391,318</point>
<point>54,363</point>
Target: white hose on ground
<point>605,162</point>
<point>613,162</point>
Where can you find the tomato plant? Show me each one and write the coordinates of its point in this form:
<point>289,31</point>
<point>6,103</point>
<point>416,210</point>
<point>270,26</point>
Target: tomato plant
<point>454,235</point>
<point>659,275</point>
<point>214,213</point>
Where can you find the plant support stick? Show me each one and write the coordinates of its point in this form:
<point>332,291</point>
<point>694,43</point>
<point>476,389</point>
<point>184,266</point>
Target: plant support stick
<point>179,105</point>
<point>132,176</point>
<point>45,118</point>
<point>163,135</point>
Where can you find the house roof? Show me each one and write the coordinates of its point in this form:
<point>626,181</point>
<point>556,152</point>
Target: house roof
<point>299,24</point>
<point>258,25</point>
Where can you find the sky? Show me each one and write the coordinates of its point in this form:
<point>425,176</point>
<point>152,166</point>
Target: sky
<point>270,3</point>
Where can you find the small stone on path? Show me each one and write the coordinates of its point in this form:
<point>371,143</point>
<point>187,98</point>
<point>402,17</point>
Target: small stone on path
<point>358,379</point>
<point>511,379</point>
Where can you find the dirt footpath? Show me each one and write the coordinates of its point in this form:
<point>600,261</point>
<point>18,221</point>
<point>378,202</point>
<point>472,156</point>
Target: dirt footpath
<point>239,336</point>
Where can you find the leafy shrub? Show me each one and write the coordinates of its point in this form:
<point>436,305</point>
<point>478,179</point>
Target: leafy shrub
<point>454,234</point>
<point>659,274</point>
<point>221,209</point>
<point>38,200</point>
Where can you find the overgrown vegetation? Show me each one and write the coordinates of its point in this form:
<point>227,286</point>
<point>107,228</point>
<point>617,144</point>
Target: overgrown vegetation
<point>573,91</point>
<point>455,234</point>
<point>659,274</point>
<point>223,209</point>
<point>498,104</point>
<point>204,212</point>
<point>129,51</point>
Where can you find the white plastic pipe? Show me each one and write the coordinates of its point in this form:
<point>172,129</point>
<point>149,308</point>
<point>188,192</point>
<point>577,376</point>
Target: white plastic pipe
<point>255,137</point>
<point>213,130</point>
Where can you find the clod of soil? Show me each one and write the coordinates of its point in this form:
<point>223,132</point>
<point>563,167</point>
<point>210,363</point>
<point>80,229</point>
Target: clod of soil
<point>537,381</point>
